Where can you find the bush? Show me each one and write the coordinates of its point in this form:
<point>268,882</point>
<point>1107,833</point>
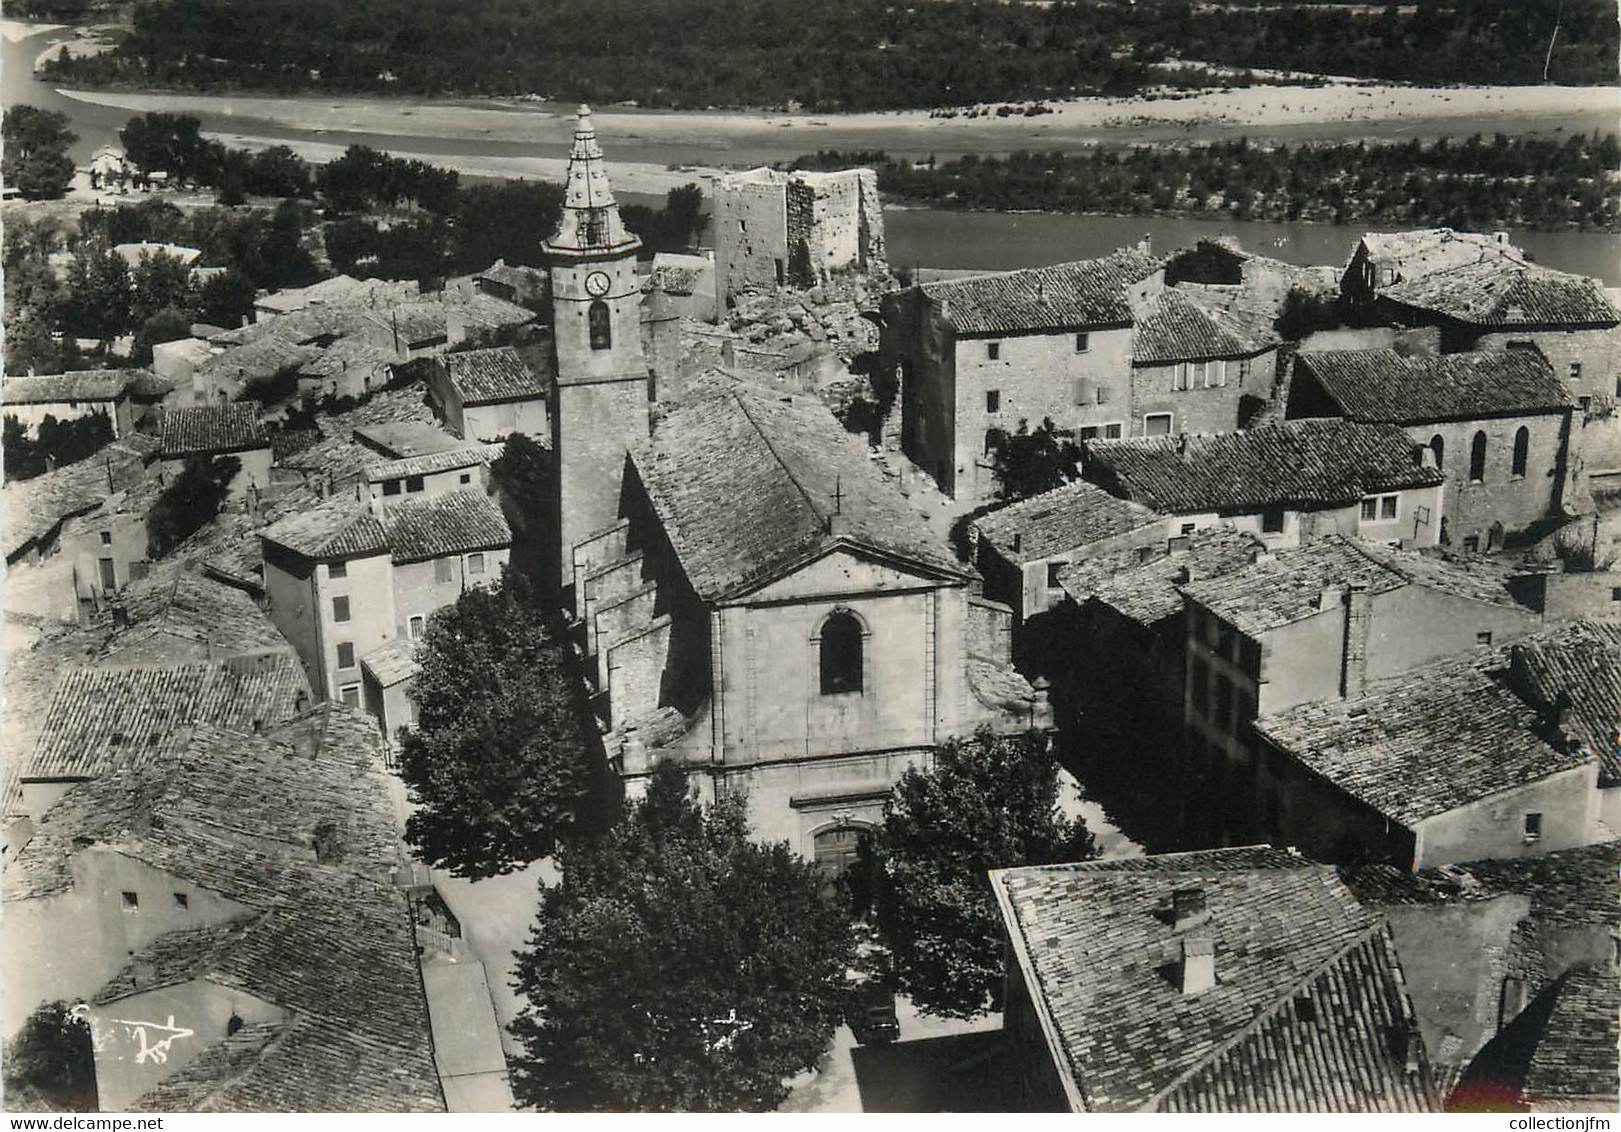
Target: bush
<point>190,502</point>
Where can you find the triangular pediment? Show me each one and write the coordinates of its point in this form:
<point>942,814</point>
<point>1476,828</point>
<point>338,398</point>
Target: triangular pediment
<point>847,569</point>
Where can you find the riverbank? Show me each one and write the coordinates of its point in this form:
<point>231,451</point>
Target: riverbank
<point>1336,111</point>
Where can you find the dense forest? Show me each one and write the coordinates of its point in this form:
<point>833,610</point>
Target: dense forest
<point>1476,184</point>
<point>837,54</point>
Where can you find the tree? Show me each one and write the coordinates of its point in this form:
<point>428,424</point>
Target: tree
<point>161,282</point>
<point>165,325</point>
<point>1029,463</point>
<point>497,760</point>
<point>192,500</point>
<point>36,160</point>
<point>678,966</point>
<point>226,299</point>
<point>509,221</point>
<point>989,802</point>
<point>100,295</point>
<point>170,142</point>
<point>53,1058</point>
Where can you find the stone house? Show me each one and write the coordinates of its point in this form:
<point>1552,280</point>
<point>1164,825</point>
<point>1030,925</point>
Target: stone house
<point>1199,361</point>
<point>1498,425</point>
<point>1237,980</point>
<point>273,969</point>
<point>1483,293</point>
<point>488,394</point>
<point>689,281</point>
<point>1287,483</point>
<point>512,283</point>
<point>108,546</point>
<point>70,396</point>
<point>976,357</point>
<point>773,228</point>
<point>1437,765</point>
<point>431,474</point>
<point>1318,624</point>
<point>211,431</point>
<point>347,577</point>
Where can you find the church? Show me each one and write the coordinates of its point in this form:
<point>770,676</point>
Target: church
<point>753,598</point>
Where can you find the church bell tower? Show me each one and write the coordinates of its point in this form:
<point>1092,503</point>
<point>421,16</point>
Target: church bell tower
<point>601,406</point>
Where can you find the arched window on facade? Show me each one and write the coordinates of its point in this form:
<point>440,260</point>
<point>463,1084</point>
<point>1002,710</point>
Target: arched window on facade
<point>1477,457</point>
<point>1522,450</point>
<point>601,329</point>
<point>1439,447</point>
<point>841,658</point>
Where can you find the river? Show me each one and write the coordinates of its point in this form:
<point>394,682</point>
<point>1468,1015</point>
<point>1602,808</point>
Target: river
<point>931,237</point>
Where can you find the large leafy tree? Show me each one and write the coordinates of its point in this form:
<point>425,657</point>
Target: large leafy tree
<point>497,760</point>
<point>989,802</point>
<point>190,500</point>
<point>36,160</point>
<point>1028,463</point>
<point>52,1060</point>
<point>678,966</point>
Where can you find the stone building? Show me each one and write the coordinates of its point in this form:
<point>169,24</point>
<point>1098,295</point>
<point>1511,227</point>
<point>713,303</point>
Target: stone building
<point>211,431</point>
<point>1497,425</point>
<point>975,357</point>
<point>1287,483</point>
<point>1318,623</point>
<point>1441,764</point>
<point>70,396</point>
<point>1237,980</point>
<point>1483,293</point>
<point>488,394</point>
<point>1199,361</point>
<point>347,577</point>
<point>774,229</point>
<point>752,598</point>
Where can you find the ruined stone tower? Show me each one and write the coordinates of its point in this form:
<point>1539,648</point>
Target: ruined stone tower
<point>602,376</point>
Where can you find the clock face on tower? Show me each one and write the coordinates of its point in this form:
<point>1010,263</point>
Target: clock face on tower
<point>596,284</point>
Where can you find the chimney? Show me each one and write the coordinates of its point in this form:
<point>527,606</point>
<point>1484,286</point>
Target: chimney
<point>1358,622</point>
<point>1189,908</point>
<point>1198,964</point>
<point>1412,1047</point>
<point>1146,244</point>
<point>1181,444</point>
<point>838,525</point>
<point>301,702</point>
<point>120,614</point>
<point>1183,576</point>
<point>632,752</point>
<point>1018,541</point>
<point>1501,238</point>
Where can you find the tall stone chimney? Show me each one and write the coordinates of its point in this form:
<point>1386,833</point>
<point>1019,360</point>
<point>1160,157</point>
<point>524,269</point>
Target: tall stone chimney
<point>1358,623</point>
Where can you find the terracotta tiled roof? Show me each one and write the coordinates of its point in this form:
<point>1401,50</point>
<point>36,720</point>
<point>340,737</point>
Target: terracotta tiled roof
<point>744,487</point>
<point>513,275</point>
<point>336,529</point>
<point>185,604</point>
<point>1087,293</point>
<point>83,385</point>
<point>1146,586</point>
<point>473,456</point>
<point>393,662</point>
<point>212,428</point>
<point>482,377</point>
<point>453,523</point>
<point>1308,463</point>
<point>1095,942</point>
<point>1580,661</point>
<point>260,357</point>
<point>1425,742</point>
<point>1383,385</point>
<point>100,717</point>
<point>1284,587</point>
<point>1576,1056</point>
<point>1184,325</point>
<point>1061,520</point>
<point>296,826</point>
<point>33,508</point>
<point>1567,887</point>
<point>487,312</point>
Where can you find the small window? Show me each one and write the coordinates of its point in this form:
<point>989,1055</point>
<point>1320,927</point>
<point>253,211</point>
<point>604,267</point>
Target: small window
<point>1522,451</point>
<point>1197,375</point>
<point>391,487</point>
<point>346,654</point>
<point>338,570</point>
<point>1179,377</point>
<point>1157,424</point>
<point>414,626</point>
<point>1471,543</point>
<point>993,401</point>
<point>340,609</point>
<point>1439,447</point>
<point>1387,507</point>
<point>841,654</point>
<point>1053,570</point>
<point>350,694</point>
<point>599,324</point>
<point>413,483</point>
<point>993,350</point>
<point>465,478</point>
<point>1305,1009</point>
<point>106,538</point>
<point>475,564</point>
<point>1272,521</point>
<point>1483,638</point>
<point>1249,656</point>
<point>182,901</point>
<point>1370,509</point>
<point>132,902</point>
<point>1533,826</point>
<point>1188,528</point>
<point>1101,394</point>
<point>1091,432</point>
<point>1111,432</point>
<point>1083,343</point>
<point>441,570</point>
<point>1615,593</point>
<point>1575,371</point>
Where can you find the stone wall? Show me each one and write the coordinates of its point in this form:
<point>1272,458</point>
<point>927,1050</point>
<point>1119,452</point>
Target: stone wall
<point>1210,403</point>
<point>1494,828</point>
<point>1500,497</point>
<point>635,669</point>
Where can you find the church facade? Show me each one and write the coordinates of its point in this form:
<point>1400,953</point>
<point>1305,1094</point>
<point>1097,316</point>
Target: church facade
<point>753,598</point>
